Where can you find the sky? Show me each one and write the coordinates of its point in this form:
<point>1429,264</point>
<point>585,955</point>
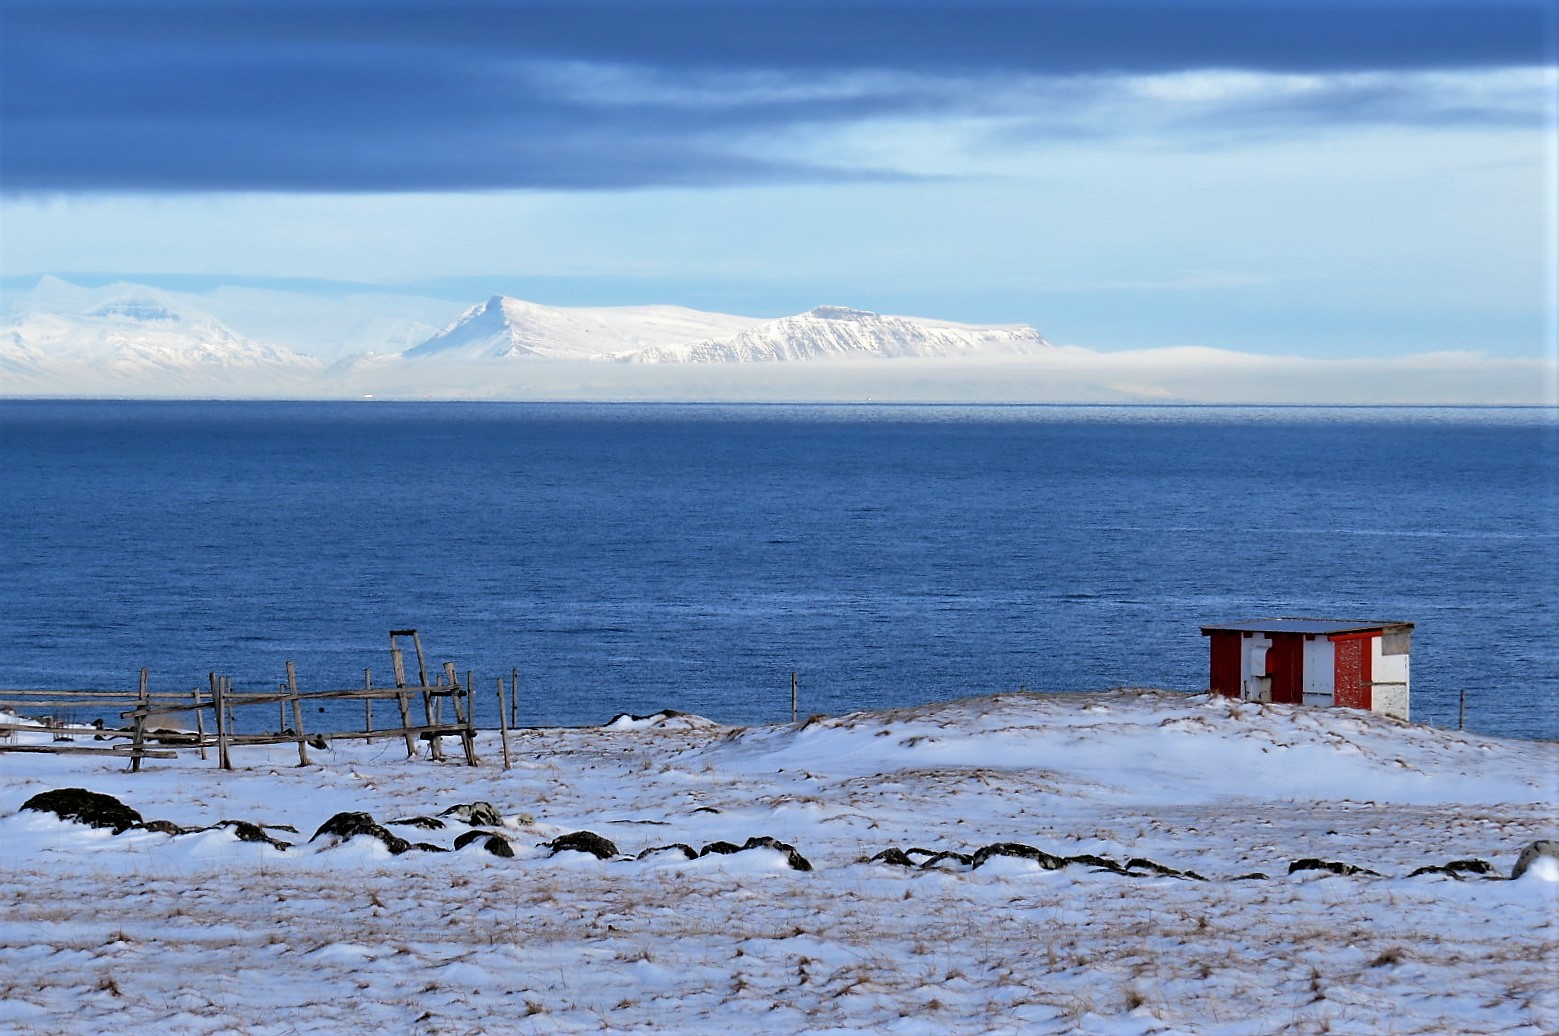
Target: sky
<point>1333,180</point>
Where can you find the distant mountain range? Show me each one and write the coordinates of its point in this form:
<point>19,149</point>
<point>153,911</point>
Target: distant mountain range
<point>59,339</point>
<point>505,327</point>
<point>138,340</point>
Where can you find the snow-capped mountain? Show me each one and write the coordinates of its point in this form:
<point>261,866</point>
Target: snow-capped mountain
<point>139,338</point>
<point>507,327</point>
<point>59,338</point>
<point>504,326</point>
<point>838,332</point>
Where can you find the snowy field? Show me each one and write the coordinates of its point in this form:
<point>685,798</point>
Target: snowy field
<point>202,932</point>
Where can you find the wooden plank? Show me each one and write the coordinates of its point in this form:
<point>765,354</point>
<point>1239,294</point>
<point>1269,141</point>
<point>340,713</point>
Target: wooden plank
<point>336,735</point>
<point>422,665</point>
<point>17,692</point>
<point>19,728</point>
<point>73,749</point>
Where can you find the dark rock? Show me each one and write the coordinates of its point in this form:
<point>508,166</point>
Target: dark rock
<point>795,860</point>
<point>662,714</point>
<point>162,827</point>
<point>1138,863</point>
<point>426,823</point>
<point>1470,867</point>
<point>85,807</point>
<point>706,809</point>
<point>164,736</point>
<point>792,858</point>
<point>1100,862</point>
<point>1456,868</point>
<point>583,842</point>
<point>936,858</point>
<point>679,847</point>
<point>895,856</point>
<point>1310,863</point>
<point>498,845</point>
<point>477,814</point>
<point>1017,849</point>
<point>1531,854</point>
<point>1252,876</point>
<point>429,847</point>
<point>248,832</point>
<point>346,826</point>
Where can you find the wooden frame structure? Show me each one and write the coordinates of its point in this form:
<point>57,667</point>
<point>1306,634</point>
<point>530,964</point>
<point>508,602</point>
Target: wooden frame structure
<point>143,739</point>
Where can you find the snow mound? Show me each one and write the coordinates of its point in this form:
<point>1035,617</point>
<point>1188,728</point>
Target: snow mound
<point>1146,746</point>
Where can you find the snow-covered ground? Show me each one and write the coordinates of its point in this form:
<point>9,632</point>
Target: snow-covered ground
<point>202,932</point>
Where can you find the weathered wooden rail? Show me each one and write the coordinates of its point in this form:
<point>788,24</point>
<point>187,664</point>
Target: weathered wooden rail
<point>142,737</point>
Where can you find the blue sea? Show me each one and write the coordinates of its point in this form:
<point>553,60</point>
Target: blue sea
<point>629,558</point>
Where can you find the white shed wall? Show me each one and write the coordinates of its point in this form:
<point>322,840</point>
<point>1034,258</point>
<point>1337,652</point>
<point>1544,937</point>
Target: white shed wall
<point>1320,674</point>
<point>1254,683</point>
<point>1391,693</point>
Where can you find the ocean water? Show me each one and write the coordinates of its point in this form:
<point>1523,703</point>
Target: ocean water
<point>628,558</point>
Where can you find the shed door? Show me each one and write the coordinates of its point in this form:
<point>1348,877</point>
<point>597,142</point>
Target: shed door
<point>1353,673</point>
<point>1285,665</point>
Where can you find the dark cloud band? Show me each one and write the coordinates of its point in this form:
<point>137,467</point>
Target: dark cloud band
<point>345,96</point>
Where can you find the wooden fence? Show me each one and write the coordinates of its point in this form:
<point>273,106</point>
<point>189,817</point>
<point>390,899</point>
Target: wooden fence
<point>213,716</point>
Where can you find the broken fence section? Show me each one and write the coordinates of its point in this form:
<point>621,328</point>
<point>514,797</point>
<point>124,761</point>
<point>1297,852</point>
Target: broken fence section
<point>157,726</point>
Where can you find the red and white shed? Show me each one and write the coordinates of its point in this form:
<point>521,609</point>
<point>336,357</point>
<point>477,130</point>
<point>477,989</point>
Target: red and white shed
<point>1352,663</point>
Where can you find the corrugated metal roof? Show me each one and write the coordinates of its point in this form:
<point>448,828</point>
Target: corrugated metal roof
<point>1317,626</point>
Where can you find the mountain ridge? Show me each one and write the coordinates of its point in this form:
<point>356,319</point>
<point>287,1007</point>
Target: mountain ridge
<point>505,327</point>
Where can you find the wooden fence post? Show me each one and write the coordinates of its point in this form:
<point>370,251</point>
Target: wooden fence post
<point>297,714</point>
<point>503,725</point>
<point>469,737</point>
<point>404,702</point>
<point>368,704</point>
<point>793,696</point>
<point>433,716</point>
<point>142,706</point>
<point>200,722</point>
<point>219,705</point>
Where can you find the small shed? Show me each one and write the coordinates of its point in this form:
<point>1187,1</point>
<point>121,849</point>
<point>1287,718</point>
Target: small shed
<point>1352,663</point>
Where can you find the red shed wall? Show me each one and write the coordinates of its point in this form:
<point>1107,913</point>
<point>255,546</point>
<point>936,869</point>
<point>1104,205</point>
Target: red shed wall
<point>1224,677</point>
<point>1354,670</point>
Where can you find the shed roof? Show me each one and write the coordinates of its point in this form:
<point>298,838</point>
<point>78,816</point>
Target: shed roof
<point>1317,626</point>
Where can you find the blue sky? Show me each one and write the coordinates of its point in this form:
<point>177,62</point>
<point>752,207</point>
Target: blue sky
<point>1335,179</point>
